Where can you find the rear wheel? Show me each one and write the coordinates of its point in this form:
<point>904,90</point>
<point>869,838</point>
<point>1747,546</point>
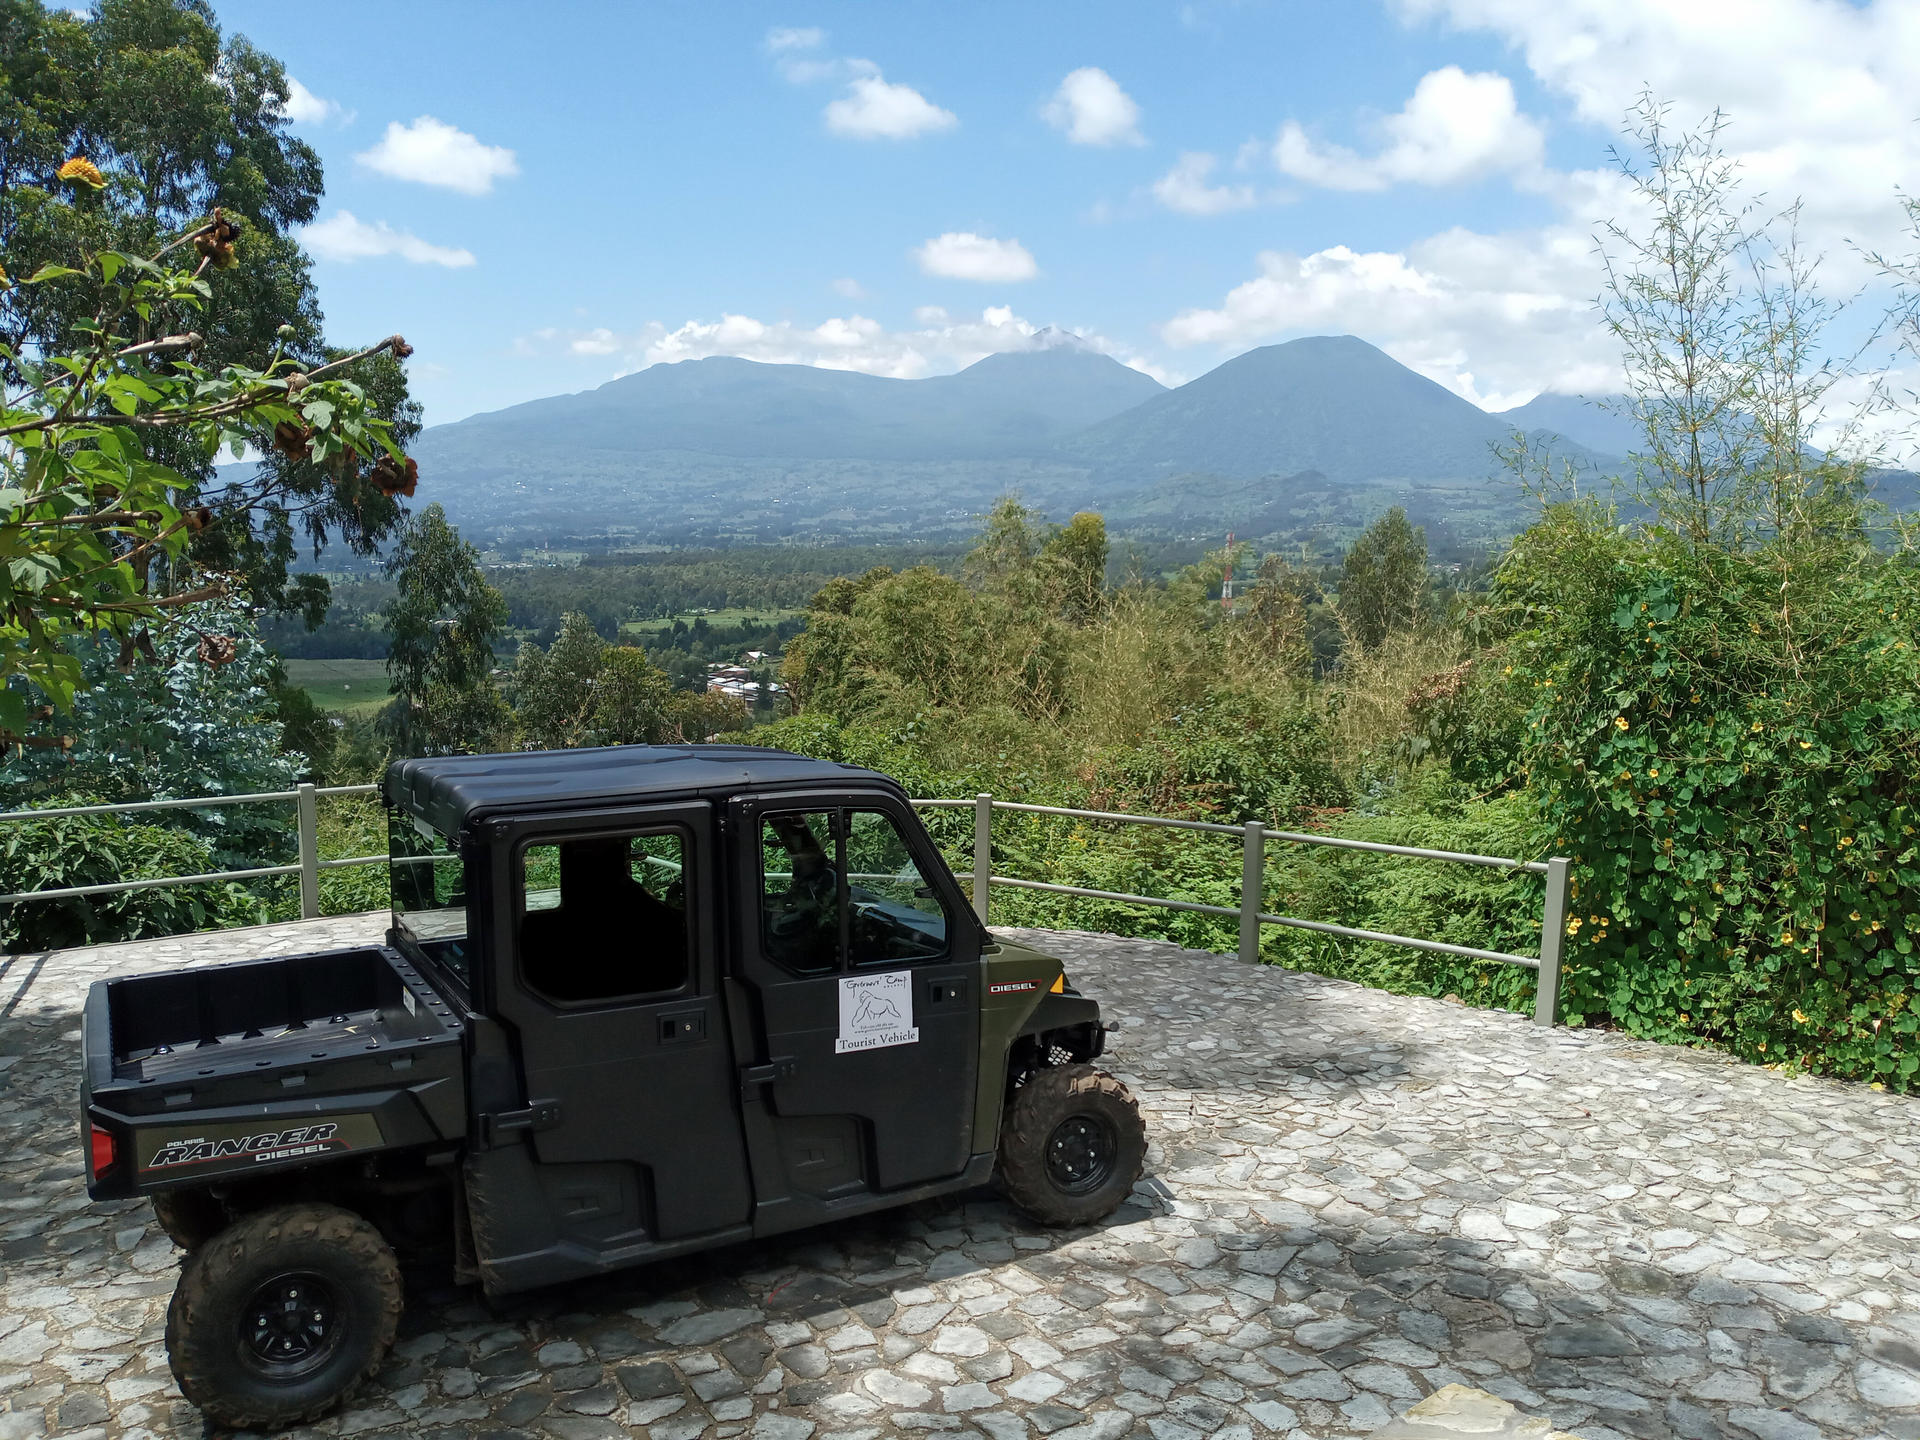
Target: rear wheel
<point>1071,1145</point>
<point>277,1318</point>
<point>189,1217</point>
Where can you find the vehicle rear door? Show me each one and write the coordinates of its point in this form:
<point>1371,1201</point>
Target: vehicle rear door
<point>610,980</point>
<point>861,961</point>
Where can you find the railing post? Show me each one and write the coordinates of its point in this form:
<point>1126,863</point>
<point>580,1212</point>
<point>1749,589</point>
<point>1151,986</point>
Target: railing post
<point>1553,936</point>
<point>309,826</point>
<point>982,852</point>
<point>1253,880</point>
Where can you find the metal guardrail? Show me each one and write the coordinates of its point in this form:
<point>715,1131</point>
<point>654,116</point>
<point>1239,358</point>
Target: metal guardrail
<point>1254,836</point>
<point>306,799</point>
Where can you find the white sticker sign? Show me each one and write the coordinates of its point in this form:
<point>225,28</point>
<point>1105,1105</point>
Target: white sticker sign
<point>876,1011</point>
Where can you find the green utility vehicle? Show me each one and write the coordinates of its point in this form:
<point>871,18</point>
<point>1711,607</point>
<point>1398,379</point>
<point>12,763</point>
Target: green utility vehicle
<point>634,1002</point>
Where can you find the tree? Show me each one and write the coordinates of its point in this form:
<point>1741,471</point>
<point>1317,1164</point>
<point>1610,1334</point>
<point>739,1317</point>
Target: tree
<point>1717,698</point>
<point>1722,329</point>
<point>178,122</point>
<point>1076,553</point>
<point>583,691</point>
<point>635,703</point>
<point>440,630</point>
<point>552,689</point>
<point>1384,579</point>
<point>89,520</point>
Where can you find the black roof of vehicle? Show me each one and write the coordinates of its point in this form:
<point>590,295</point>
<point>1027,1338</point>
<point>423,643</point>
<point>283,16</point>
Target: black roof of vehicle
<point>446,791</point>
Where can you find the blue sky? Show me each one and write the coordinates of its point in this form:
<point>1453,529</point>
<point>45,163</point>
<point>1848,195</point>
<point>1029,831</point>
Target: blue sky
<point>543,197</point>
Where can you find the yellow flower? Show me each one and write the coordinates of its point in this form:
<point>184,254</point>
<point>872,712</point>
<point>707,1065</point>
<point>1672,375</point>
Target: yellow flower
<point>80,170</point>
<point>1854,916</point>
<point>1619,722</point>
<point>1573,926</point>
<point>1801,1016</point>
<point>1845,840</point>
<point>1786,937</point>
<point>1654,774</point>
<point>1758,726</point>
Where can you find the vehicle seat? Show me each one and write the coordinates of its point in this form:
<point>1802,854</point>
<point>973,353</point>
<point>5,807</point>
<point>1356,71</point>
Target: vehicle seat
<point>608,936</point>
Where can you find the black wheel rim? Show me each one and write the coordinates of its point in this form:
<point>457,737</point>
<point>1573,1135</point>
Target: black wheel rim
<point>1080,1153</point>
<point>291,1326</point>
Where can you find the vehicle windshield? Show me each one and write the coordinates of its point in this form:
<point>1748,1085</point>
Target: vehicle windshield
<point>429,883</point>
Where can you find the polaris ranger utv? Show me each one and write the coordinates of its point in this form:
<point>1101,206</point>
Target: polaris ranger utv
<point>634,1002</point>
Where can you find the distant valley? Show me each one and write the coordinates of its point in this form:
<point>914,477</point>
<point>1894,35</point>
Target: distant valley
<point>1306,440</point>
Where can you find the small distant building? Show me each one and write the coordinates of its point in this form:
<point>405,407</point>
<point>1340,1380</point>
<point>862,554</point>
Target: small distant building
<point>738,681</point>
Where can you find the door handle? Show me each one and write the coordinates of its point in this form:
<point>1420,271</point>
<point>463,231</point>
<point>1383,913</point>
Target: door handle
<point>751,1076</point>
<point>688,1027</point>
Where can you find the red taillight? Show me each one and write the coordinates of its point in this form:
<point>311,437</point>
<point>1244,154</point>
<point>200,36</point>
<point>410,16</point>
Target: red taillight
<point>100,1148</point>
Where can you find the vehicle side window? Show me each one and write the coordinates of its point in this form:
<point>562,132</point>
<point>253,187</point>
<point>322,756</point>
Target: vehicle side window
<point>896,915</point>
<point>427,878</point>
<point>605,917</point>
<point>800,891</point>
<point>840,888</point>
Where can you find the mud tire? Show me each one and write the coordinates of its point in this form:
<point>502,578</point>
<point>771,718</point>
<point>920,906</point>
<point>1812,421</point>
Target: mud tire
<point>1071,1145</point>
<point>190,1218</point>
<point>322,1256</point>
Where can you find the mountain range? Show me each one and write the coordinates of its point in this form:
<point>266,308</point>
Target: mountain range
<point>1314,435</point>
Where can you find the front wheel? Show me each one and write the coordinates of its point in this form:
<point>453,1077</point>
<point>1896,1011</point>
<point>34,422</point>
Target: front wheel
<point>1071,1145</point>
<point>282,1314</point>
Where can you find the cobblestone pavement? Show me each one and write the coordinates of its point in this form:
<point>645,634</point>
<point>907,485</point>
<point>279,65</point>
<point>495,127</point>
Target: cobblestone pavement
<point>1352,1200</point>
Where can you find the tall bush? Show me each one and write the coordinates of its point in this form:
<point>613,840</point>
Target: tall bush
<point>1727,743</point>
<point>80,850</point>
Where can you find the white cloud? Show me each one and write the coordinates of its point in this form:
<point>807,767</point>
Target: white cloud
<point>783,38</point>
<point>1819,94</point>
<point>1092,109</point>
<point>873,107</point>
<point>962,255</point>
<point>601,341</point>
<point>1455,127</point>
<point>1185,188</point>
<point>344,237</point>
<point>1493,318</point>
<point>433,152</point>
<point>303,107</point>
<point>849,289</point>
<point>876,109</point>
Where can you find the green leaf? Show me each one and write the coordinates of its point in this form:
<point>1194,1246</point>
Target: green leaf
<point>51,272</point>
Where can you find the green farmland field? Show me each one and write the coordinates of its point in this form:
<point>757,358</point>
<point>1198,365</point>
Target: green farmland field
<point>359,686</point>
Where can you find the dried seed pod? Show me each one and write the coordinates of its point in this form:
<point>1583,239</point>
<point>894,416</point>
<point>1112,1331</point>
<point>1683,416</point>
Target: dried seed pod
<point>293,440</point>
<point>215,242</point>
<point>296,382</point>
<point>401,349</point>
<point>218,650</point>
<point>198,518</point>
<point>394,477</point>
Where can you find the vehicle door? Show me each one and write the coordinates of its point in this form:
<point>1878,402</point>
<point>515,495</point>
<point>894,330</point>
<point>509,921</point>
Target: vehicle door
<point>610,982</point>
<point>863,963</point>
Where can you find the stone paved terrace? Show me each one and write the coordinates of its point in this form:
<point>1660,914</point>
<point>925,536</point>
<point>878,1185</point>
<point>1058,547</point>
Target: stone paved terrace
<point>1352,1200</point>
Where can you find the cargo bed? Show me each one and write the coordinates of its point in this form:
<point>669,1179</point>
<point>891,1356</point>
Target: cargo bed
<point>229,1069</point>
